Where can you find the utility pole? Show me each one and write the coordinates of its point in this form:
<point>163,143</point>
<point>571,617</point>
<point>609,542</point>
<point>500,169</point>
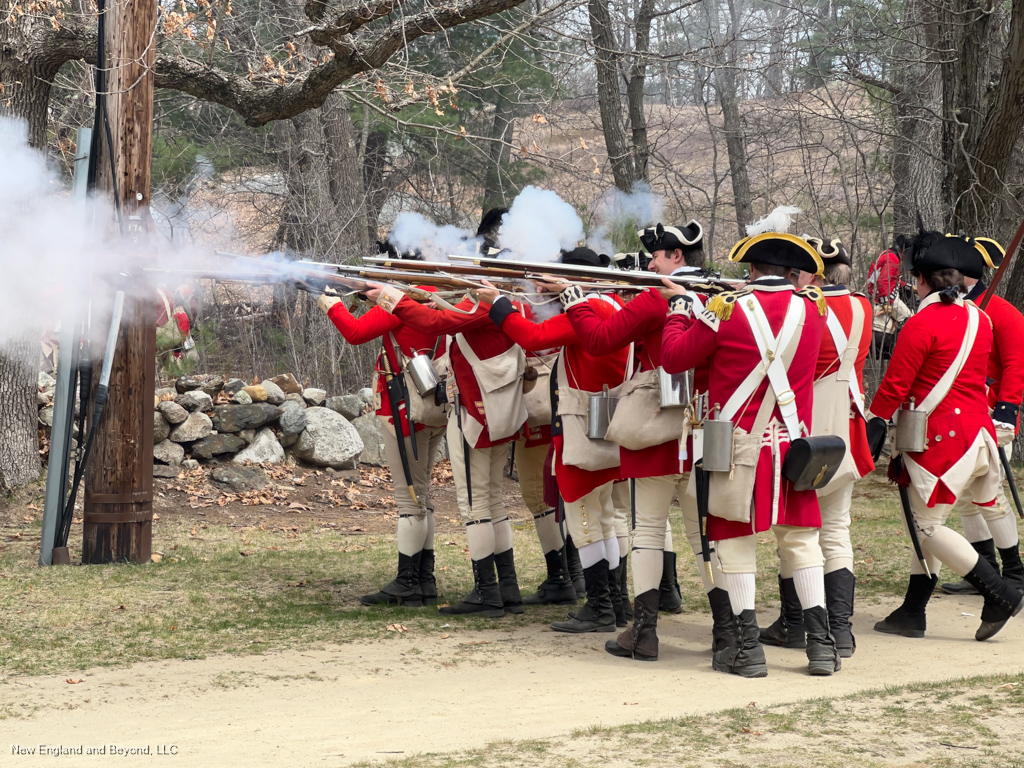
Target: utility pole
<point>118,517</point>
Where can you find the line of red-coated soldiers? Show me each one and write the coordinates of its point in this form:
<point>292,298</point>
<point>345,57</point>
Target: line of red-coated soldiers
<point>780,359</point>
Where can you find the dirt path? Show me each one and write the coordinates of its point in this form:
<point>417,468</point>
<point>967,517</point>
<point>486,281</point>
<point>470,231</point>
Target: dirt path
<point>428,693</point>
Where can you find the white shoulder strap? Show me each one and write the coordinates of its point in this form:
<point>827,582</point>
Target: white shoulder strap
<point>942,387</point>
<point>772,365</point>
<point>843,346</point>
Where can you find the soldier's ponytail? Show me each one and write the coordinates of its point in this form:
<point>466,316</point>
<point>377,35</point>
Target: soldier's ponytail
<point>948,282</point>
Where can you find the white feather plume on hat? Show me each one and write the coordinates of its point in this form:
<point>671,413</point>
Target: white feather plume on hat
<point>776,221</point>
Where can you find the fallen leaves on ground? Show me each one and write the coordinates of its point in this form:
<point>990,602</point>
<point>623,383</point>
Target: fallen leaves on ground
<point>70,681</point>
<point>397,628</point>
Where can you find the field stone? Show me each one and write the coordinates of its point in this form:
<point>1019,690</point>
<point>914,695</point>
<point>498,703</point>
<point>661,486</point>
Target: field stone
<point>212,386</point>
<point>288,384</point>
<point>292,419</point>
<point>349,406</point>
<point>174,413</point>
<point>238,479</point>
<point>287,441</point>
<point>329,440</point>
<point>161,429</point>
<point>371,432</point>
<point>166,471</point>
<point>294,397</point>
<point>46,381</point>
<point>247,435</point>
<point>264,449</point>
<point>367,395</point>
<point>314,396</point>
<point>190,464</point>
<point>235,418</point>
<point>214,445</point>
<point>233,385</point>
<point>256,392</point>
<point>241,398</point>
<point>195,427</point>
<point>275,396</point>
<point>168,452</point>
<point>42,398</point>
<point>46,416</point>
<point>185,384</point>
<point>195,401</point>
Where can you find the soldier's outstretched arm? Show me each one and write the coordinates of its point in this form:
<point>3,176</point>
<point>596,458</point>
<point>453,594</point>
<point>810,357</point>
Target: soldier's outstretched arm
<point>687,341</point>
<point>603,336</point>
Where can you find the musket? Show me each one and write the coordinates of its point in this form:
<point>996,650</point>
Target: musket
<point>394,392</point>
<point>508,269</point>
<point>908,516</point>
<point>703,501</point>
<point>1014,245</point>
<point>1005,461</point>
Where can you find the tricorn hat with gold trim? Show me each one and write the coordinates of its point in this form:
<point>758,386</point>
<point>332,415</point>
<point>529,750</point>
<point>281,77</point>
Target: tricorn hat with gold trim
<point>688,237</point>
<point>768,242</point>
<point>994,252</point>
<point>963,254</point>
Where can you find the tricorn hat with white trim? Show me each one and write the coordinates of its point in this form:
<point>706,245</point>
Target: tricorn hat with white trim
<point>688,237</point>
<point>831,251</point>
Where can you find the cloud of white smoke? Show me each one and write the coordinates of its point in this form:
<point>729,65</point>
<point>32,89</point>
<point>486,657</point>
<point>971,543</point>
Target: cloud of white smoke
<point>538,226</point>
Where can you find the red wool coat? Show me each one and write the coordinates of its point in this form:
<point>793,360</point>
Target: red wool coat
<point>378,324</point>
<point>924,351</point>
<point>588,372</point>
<point>728,346</point>
<point>1006,363</point>
<point>481,334</point>
<point>641,321</point>
<point>840,302</point>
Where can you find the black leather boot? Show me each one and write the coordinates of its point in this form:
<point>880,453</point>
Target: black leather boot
<point>556,589</point>
<point>671,600</point>
<point>485,597</point>
<point>986,549</point>
<point>616,596</point>
<point>722,635</point>
<point>627,606</point>
<point>788,629</point>
<point>839,588</point>
<point>746,657</point>
<point>1001,600</point>
<point>596,615</point>
<point>1013,568</point>
<point>572,557</point>
<point>909,619</point>
<point>508,583</point>
<point>822,654</point>
<point>640,641</point>
<point>404,589</point>
<point>428,584</point>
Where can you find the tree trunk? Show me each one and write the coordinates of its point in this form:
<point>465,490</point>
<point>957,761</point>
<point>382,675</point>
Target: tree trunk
<point>499,153</point>
<point>19,447</point>
<point>608,96</point>
<point>635,90</point>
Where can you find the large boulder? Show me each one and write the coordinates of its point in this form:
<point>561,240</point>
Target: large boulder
<point>371,432</point>
<point>292,419</point>
<point>288,384</point>
<point>197,400</point>
<point>275,396</point>
<point>329,440</point>
<point>235,418</point>
<point>170,410</point>
<point>161,429</point>
<point>168,452</point>
<point>256,392</point>
<point>264,449</point>
<point>349,406</point>
<point>195,427</point>
<point>187,384</point>
<point>314,396</point>
<point>215,445</point>
<point>238,479</point>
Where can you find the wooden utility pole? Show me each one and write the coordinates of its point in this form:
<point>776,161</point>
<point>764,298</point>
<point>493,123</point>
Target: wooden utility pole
<point>118,516</point>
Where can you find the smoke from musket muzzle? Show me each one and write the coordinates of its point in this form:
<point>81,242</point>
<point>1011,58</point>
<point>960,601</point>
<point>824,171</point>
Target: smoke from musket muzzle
<point>539,226</point>
<point>619,214</point>
<point>412,232</point>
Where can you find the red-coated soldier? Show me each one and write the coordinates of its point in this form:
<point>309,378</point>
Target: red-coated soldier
<point>838,410</point>
<point>762,346</point>
<point>587,494</point>
<point>941,361</point>
<point>479,430</point>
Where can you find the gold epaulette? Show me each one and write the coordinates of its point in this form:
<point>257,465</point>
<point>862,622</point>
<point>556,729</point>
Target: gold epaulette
<point>722,304</point>
<point>815,294</point>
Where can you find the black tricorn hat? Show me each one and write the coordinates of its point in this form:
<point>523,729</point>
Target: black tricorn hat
<point>585,257</point>
<point>688,237</point>
<point>994,252</point>
<point>831,251</point>
<point>779,249</point>
<point>950,252</point>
